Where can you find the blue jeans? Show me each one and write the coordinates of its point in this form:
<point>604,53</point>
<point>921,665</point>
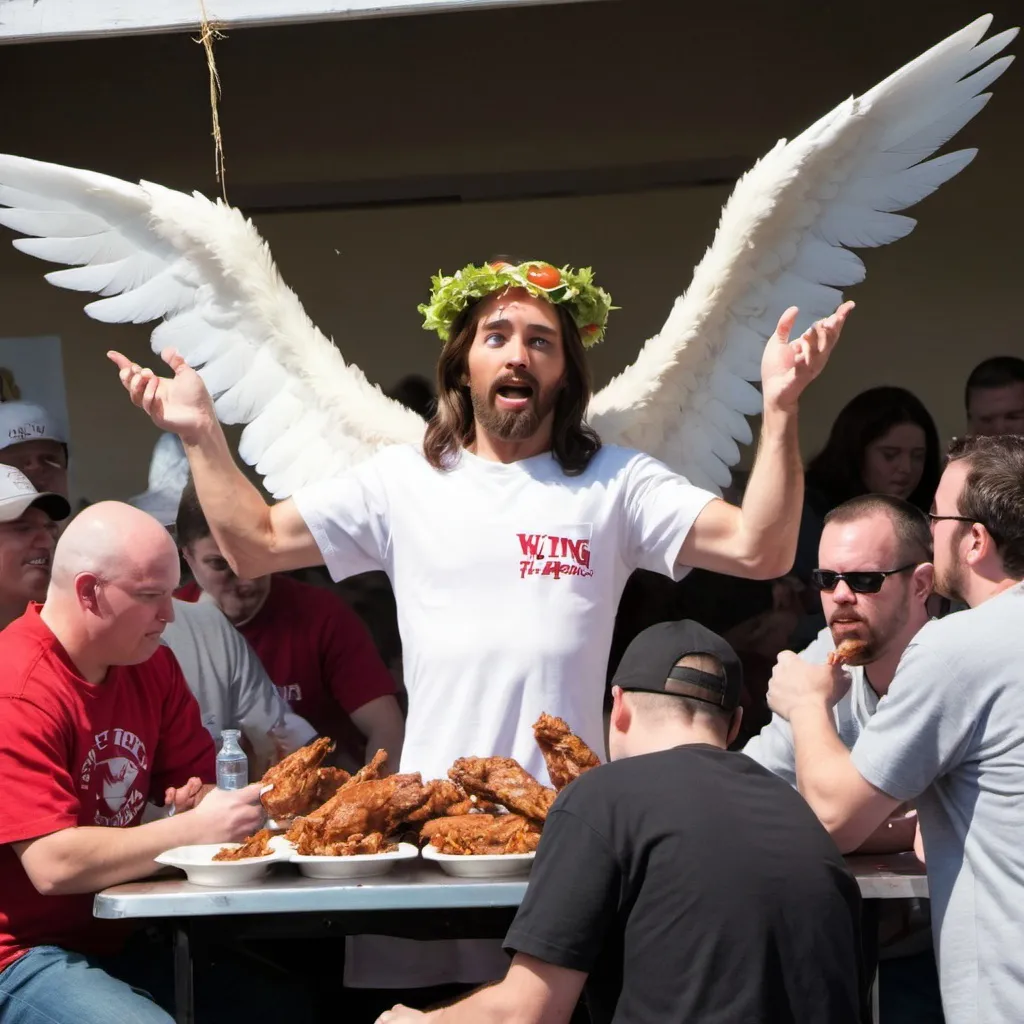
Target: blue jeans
<point>50,985</point>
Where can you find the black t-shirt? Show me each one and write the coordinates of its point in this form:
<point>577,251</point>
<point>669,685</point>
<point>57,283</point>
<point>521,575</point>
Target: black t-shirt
<point>694,886</point>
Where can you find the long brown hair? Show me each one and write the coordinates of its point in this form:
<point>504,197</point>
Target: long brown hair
<point>835,472</point>
<point>573,442</point>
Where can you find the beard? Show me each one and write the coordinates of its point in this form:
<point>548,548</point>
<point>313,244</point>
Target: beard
<point>949,578</point>
<point>876,639</point>
<point>873,644</point>
<point>511,424</point>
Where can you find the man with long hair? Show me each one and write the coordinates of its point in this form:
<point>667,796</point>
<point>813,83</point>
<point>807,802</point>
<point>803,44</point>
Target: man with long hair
<point>509,535</point>
<point>948,735</point>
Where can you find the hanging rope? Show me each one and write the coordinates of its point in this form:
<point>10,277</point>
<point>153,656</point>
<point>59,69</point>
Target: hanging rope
<point>208,33</point>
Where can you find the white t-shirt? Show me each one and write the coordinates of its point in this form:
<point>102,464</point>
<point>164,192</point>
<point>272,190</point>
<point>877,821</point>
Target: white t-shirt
<point>950,736</point>
<point>507,578</point>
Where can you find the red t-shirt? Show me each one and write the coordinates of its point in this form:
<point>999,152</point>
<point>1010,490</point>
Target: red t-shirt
<point>319,654</point>
<point>78,753</point>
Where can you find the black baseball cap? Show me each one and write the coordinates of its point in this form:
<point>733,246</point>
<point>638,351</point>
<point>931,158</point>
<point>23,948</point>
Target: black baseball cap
<point>649,664</point>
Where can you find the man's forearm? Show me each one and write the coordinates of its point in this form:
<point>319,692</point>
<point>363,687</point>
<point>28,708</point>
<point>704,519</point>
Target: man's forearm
<point>494,1004</point>
<point>239,518</point>
<point>88,859</point>
<point>824,771</point>
<point>774,495</point>
<point>894,835</point>
<point>389,740</point>
<point>380,721</point>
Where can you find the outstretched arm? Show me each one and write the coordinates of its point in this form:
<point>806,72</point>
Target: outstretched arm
<point>758,539</point>
<point>254,537</point>
<point>533,992</point>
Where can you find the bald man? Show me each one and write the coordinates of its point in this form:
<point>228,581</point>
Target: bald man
<point>95,719</point>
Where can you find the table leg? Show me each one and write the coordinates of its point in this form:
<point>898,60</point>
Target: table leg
<point>183,995</point>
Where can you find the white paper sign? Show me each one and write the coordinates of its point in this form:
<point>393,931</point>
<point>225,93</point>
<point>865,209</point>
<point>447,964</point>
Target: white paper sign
<point>32,369</point>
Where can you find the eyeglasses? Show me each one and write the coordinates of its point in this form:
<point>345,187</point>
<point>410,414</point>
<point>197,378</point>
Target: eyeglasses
<point>956,519</point>
<point>966,519</point>
<point>868,582</point>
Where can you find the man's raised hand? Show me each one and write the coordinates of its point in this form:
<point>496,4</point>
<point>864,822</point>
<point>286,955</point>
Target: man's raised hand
<point>180,404</point>
<point>787,367</point>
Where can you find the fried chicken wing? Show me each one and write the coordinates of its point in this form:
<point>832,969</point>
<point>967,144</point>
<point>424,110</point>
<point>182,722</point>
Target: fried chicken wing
<point>253,846</point>
<point>476,834</point>
<point>328,782</point>
<point>847,651</point>
<point>357,845</point>
<point>471,804</point>
<point>503,781</point>
<point>373,770</point>
<point>565,754</point>
<point>295,781</point>
<point>377,805</point>
<point>307,788</point>
<point>446,799</point>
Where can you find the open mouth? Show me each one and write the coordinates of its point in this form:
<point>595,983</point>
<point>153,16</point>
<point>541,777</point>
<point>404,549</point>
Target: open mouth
<point>846,625</point>
<point>40,562</point>
<point>514,396</point>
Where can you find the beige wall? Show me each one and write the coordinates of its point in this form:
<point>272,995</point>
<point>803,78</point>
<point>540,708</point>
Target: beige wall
<point>576,86</point>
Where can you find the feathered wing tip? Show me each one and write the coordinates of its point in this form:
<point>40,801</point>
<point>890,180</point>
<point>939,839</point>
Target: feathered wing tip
<point>317,417</point>
<point>783,239</point>
<point>203,271</point>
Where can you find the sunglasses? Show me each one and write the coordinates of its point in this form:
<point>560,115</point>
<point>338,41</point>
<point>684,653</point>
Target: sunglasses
<point>869,582</point>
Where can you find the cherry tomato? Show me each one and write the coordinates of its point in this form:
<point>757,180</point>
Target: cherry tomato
<point>591,328</point>
<point>544,277</point>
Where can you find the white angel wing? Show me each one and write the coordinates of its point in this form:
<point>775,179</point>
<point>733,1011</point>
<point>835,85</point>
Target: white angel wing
<point>782,241</point>
<point>202,267</point>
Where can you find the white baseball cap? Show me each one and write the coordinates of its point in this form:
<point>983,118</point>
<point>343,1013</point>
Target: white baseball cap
<point>25,421</point>
<point>17,494</point>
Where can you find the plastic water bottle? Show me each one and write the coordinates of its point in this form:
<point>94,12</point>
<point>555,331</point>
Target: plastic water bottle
<point>232,764</point>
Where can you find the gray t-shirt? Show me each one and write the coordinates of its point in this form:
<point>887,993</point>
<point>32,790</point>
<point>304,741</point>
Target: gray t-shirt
<point>229,681</point>
<point>773,747</point>
<point>950,736</point>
